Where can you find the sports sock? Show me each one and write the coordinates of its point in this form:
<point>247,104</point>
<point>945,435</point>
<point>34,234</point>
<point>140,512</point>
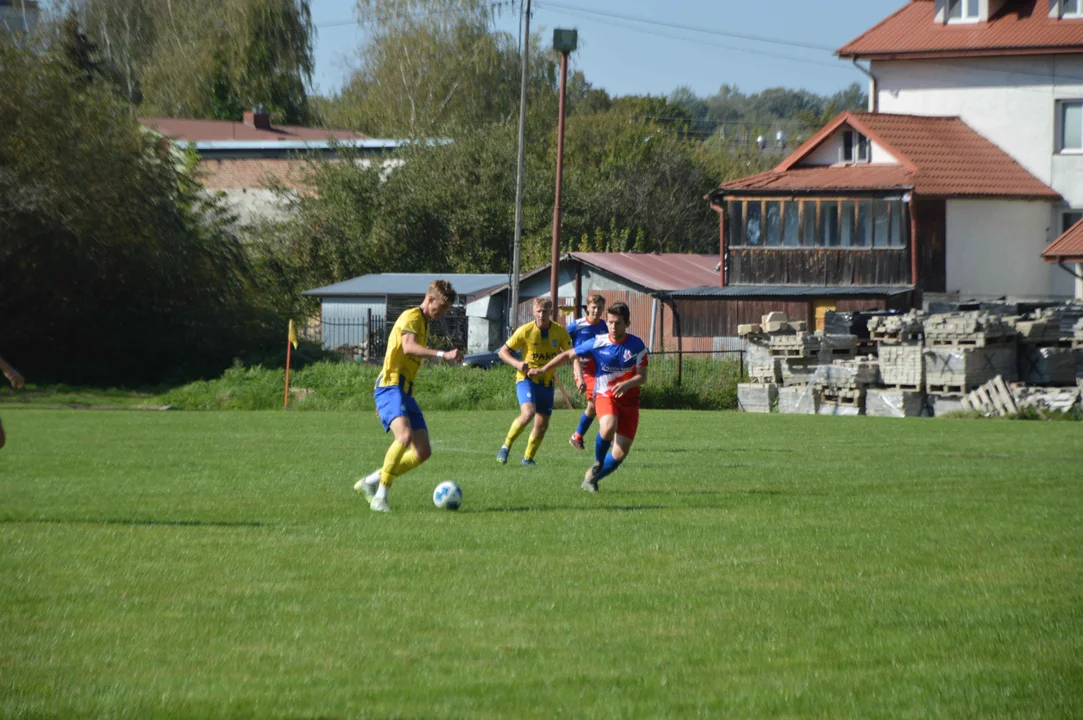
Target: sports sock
<point>601,447</point>
<point>381,492</point>
<point>515,431</point>
<point>532,446</point>
<point>391,460</point>
<point>609,466</point>
<point>584,424</point>
<point>407,462</point>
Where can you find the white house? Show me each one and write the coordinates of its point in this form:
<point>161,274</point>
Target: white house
<point>1013,71</point>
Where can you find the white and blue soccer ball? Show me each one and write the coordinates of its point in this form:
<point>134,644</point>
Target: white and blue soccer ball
<point>447,496</point>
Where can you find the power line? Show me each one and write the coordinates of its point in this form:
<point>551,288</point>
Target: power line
<point>720,33</point>
<point>751,51</point>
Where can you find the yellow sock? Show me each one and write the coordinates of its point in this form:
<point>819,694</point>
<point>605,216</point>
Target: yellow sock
<point>532,446</point>
<point>516,431</point>
<point>407,462</point>
<point>391,460</point>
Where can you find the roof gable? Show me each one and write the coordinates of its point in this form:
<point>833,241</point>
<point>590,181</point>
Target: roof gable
<point>1021,27</point>
<point>940,156</point>
<point>1068,247</point>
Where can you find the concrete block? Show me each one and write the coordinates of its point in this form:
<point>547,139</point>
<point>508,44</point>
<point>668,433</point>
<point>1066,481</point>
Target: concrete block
<point>800,400</point>
<point>944,404</point>
<point>757,398</point>
<point>894,403</point>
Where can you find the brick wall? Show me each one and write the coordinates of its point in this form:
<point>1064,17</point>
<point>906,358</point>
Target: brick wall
<point>245,173</point>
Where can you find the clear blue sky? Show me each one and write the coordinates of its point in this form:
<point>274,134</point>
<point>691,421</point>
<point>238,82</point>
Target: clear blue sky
<point>625,56</point>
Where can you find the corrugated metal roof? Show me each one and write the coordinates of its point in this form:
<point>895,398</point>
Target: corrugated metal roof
<point>819,291</point>
<point>656,271</point>
<point>1068,246</point>
<point>1021,27</point>
<point>407,284</point>
<point>940,156</point>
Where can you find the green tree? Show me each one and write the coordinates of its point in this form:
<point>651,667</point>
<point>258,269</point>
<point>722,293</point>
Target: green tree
<point>117,266</point>
<point>207,58</point>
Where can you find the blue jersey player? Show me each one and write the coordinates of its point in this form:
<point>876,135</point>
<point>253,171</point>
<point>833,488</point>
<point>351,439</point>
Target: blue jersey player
<point>581,330</point>
<point>620,369</point>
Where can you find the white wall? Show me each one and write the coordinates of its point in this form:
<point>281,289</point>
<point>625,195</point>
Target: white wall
<point>994,248</point>
<point>828,153</point>
<point>1009,100</point>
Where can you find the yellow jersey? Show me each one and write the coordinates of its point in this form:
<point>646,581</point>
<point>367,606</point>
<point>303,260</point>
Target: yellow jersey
<point>539,347</point>
<point>400,368</point>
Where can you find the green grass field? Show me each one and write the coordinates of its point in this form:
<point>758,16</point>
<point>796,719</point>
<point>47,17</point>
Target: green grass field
<point>220,565</point>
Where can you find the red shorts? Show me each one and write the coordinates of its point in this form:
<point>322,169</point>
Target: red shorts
<point>589,380</point>
<point>627,415</point>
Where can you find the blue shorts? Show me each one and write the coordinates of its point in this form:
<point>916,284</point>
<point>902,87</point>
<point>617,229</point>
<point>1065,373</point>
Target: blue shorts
<point>392,402</point>
<point>540,395</point>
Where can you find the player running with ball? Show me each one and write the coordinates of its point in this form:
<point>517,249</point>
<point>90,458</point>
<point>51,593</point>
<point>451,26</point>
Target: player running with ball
<point>620,360</point>
<point>407,346</point>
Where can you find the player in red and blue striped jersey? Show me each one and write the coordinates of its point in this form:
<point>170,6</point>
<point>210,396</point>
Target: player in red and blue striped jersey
<point>620,369</point>
<point>582,330</point>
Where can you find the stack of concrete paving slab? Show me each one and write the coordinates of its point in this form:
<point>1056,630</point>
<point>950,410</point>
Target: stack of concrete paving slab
<point>888,402</point>
<point>1045,354</point>
<point>799,400</point>
<point>898,329</point>
<point>757,397</point>
<point>966,349</point>
<point>1077,335</point>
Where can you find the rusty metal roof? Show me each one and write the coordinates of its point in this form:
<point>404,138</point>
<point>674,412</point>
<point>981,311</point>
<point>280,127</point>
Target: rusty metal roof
<point>1021,27</point>
<point>220,130</point>
<point>1068,247</point>
<point>656,271</point>
<point>941,156</point>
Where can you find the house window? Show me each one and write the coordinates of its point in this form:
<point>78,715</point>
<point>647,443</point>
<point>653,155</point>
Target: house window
<point>791,225</point>
<point>808,227</point>
<point>774,223</point>
<point>736,220</point>
<point>1071,8</point>
<point>855,147</point>
<point>846,223</point>
<point>962,11</point>
<point>1071,126</point>
<point>1068,219</point>
<point>829,224</point>
<point>754,227</point>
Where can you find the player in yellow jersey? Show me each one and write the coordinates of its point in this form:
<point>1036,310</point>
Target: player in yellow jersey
<point>394,393</point>
<point>540,341</point>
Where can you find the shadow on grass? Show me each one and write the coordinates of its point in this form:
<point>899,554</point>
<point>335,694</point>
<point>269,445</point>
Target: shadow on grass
<point>125,521</point>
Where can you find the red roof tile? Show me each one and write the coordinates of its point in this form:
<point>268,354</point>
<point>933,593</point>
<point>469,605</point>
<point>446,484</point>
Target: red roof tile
<point>218,130</point>
<point>1068,246</point>
<point>940,156</point>
<point>1021,27</point>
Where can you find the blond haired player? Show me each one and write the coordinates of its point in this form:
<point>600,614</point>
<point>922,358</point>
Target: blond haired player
<point>394,393</point>
<point>540,341</point>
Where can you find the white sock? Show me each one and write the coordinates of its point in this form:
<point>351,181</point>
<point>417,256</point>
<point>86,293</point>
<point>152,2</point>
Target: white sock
<point>373,477</point>
<point>381,492</point>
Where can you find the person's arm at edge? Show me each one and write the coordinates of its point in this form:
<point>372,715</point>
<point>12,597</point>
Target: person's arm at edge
<point>566,356</point>
<point>14,376</point>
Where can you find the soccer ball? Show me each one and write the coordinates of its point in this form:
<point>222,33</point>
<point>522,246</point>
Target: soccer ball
<point>447,496</point>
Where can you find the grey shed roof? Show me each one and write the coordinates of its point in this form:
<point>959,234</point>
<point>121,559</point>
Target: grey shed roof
<point>407,284</point>
<point>737,291</point>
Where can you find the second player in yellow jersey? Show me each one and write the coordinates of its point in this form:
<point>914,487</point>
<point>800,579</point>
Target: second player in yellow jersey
<point>539,342</point>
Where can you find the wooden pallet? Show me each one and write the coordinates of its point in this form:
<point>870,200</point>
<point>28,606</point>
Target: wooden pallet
<point>946,389</point>
<point>795,352</point>
<point>908,388</point>
<point>972,341</point>
<point>992,398</point>
<point>1053,342</point>
<point>851,398</point>
<point>896,338</point>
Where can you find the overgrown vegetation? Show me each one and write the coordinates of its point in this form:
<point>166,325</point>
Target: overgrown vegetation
<point>706,385</point>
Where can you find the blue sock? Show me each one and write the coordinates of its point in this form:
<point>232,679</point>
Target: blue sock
<point>584,424</point>
<point>601,447</point>
<point>609,466</point>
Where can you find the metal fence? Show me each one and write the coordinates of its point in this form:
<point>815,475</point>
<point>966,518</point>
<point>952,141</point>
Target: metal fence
<point>695,368</point>
<point>366,338</point>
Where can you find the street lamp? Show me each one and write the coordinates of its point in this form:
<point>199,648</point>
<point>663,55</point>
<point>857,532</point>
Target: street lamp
<point>564,42</point>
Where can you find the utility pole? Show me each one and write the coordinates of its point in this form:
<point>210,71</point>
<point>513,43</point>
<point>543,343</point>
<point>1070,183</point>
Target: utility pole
<point>517,247</point>
<point>564,41</point>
